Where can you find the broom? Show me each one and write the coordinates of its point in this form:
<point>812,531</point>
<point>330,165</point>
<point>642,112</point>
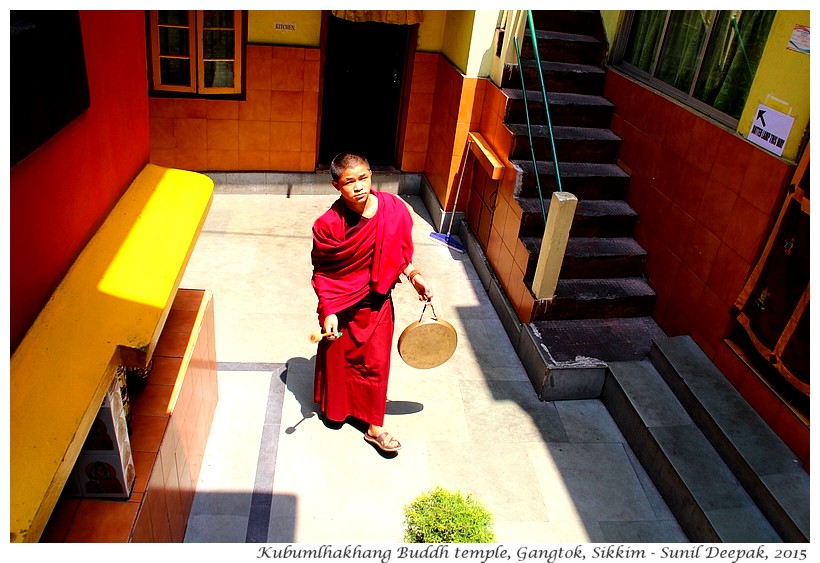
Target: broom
<point>447,239</point>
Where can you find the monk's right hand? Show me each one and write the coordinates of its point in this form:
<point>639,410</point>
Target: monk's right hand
<point>332,326</point>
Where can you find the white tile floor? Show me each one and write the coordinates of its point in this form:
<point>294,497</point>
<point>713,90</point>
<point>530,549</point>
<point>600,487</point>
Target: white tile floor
<point>549,472</point>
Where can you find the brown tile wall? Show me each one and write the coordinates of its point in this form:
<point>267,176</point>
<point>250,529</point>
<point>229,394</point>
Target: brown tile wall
<point>493,214</point>
<point>275,128</point>
<point>171,419</point>
<point>419,112</point>
<point>456,110</point>
<point>706,200</point>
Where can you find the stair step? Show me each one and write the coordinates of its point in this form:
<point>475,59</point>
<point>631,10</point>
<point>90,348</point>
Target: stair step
<point>566,20</point>
<point>593,218</point>
<point>565,47</point>
<point>703,494</point>
<point>558,77</point>
<point>604,340</point>
<point>551,353</point>
<point>597,298</point>
<point>586,180</point>
<point>592,257</point>
<point>768,469</point>
<point>578,110</point>
<point>572,144</point>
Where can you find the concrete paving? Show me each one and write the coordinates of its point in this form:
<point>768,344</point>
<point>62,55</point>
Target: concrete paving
<point>550,472</point>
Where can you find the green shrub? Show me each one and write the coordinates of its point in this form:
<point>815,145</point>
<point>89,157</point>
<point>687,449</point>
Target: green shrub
<point>441,516</point>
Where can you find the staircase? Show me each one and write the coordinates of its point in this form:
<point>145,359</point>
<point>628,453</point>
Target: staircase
<point>603,304</point>
<point>726,476</point>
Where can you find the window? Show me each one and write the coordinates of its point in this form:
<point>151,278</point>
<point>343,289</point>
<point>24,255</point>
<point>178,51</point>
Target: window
<point>196,51</point>
<point>705,58</point>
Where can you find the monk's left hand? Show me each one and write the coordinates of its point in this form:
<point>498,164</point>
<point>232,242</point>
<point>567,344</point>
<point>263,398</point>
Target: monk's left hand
<point>422,288</point>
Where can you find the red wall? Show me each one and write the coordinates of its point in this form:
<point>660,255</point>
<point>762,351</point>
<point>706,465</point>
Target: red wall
<point>707,200</point>
<point>61,193</point>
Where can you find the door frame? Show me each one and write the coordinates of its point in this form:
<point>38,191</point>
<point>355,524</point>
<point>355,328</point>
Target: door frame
<point>404,98</point>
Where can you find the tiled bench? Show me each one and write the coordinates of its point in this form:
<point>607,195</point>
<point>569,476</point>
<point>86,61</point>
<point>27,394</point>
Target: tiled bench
<point>171,419</point>
<point>109,310</point>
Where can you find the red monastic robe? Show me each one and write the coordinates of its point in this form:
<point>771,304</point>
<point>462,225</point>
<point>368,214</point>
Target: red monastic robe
<point>354,270</point>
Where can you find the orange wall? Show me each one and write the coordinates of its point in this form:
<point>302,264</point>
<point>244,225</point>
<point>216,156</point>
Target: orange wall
<point>275,128</point>
<point>419,112</point>
<point>61,193</point>
<point>494,214</point>
<point>456,110</point>
<point>706,200</point>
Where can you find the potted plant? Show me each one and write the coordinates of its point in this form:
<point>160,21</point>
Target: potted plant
<point>441,516</point>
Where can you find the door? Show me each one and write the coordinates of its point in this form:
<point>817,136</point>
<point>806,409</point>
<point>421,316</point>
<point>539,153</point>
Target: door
<point>364,71</point>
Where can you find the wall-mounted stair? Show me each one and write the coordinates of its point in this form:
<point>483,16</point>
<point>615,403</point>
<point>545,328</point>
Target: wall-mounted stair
<point>601,289</point>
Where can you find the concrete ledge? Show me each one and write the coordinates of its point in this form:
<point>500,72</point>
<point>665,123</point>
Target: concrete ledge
<point>305,183</point>
<point>762,462</point>
<point>581,378</point>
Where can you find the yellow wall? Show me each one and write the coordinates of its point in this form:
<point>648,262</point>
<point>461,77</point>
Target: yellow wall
<point>458,32</point>
<point>303,28</point>
<point>482,45</point>
<point>306,27</point>
<point>308,24</point>
<point>612,21</point>
<point>782,81</point>
<point>431,31</point>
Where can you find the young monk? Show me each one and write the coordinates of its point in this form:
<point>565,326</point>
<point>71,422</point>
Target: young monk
<point>361,245</point>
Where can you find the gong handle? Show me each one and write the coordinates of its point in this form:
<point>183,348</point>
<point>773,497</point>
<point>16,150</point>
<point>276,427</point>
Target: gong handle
<point>433,309</point>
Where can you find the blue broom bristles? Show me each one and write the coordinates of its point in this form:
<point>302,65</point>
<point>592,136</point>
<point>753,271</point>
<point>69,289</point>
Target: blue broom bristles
<point>449,241</point>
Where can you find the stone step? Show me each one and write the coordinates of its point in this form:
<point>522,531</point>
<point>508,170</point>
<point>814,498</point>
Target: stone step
<point>578,21</point>
<point>771,473</point>
<point>597,298</point>
<point>592,257</point>
<point>586,180</point>
<point>572,144</point>
<point>561,46</point>
<point>593,218</point>
<point>708,501</point>
<point>558,77</point>
<point>578,110</point>
<point>566,360</point>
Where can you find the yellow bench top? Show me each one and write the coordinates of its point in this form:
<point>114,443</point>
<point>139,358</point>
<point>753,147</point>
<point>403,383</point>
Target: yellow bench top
<point>109,310</point>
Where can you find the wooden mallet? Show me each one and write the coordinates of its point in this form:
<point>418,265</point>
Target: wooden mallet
<point>317,336</point>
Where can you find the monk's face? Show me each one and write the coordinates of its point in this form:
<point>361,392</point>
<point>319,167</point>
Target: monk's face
<point>354,185</point>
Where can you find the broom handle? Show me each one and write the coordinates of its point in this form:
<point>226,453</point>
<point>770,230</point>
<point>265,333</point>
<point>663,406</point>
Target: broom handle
<point>460,179</point>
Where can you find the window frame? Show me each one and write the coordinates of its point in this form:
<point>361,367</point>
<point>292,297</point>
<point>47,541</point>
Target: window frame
<point>651,80</point>
<point>197,87</point>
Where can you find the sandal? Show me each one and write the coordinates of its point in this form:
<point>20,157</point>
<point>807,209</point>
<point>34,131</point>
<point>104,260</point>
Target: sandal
<point>384,441</point>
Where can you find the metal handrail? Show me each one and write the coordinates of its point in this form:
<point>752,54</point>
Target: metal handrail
<point>531,23</point>
<point>529,133</point>
<point>546,112</point>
